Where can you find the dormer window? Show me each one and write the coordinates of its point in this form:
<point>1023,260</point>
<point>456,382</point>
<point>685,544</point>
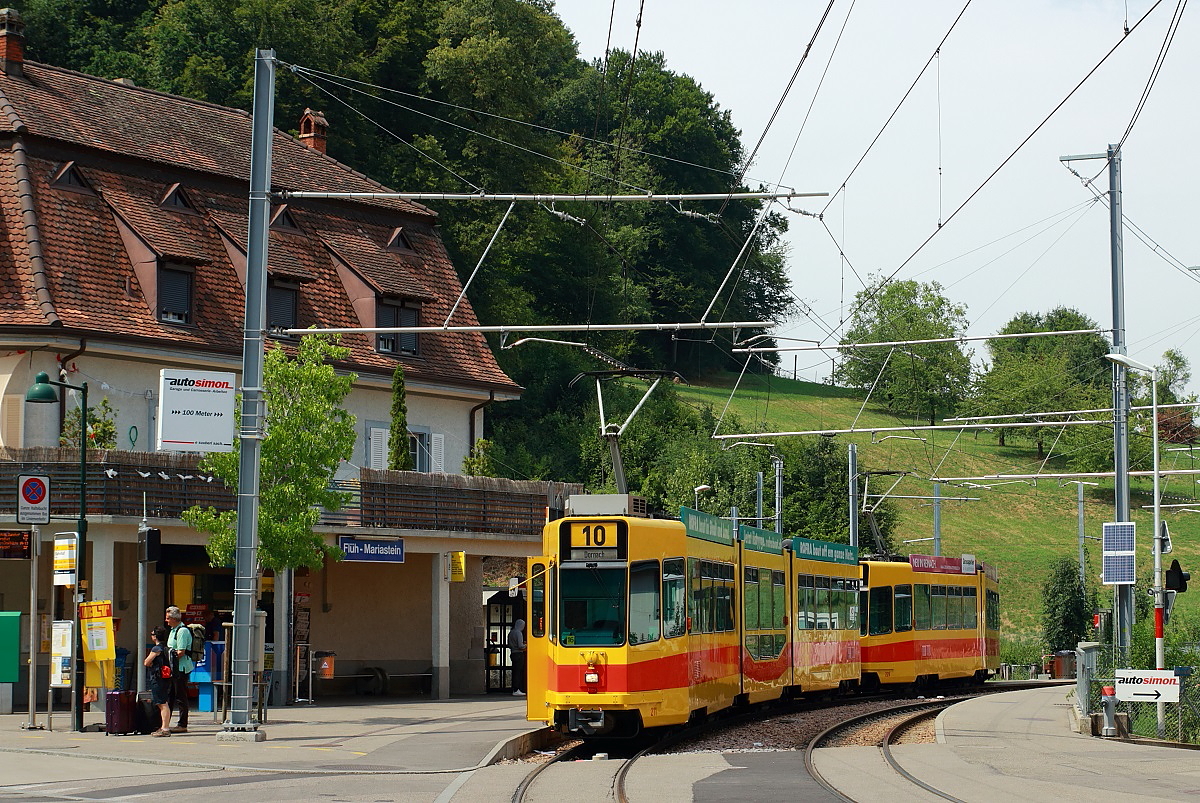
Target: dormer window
<point>393,312</point>
<point>68,177</point>
<point>282,220</point>
<point>282,296</point>
<point>175,293</point>
<point>399,241</point>
<point>177,200</point>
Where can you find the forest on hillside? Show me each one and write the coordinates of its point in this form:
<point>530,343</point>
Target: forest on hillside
<point>471,95</point>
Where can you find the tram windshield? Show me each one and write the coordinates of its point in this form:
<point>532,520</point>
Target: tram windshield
<point>592,612</point>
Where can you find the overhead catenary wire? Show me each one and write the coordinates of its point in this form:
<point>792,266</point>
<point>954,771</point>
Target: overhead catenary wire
<point>988,179</point>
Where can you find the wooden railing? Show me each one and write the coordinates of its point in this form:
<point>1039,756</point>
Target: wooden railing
<point>118,483</point>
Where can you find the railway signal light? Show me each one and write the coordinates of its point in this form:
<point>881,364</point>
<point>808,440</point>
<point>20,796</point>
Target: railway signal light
<point>1177,578</point>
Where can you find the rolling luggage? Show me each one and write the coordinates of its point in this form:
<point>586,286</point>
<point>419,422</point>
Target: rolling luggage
<point>119,712</point>
<point>145,717</point>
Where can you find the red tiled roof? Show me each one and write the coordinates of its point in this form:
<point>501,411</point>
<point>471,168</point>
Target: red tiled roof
<point>130,144</point>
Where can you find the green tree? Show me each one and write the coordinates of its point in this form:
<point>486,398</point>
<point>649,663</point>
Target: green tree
<point>1066,615</point>
<point>928,378</point>
<point>308,433</point>
<point>1083,354</point>
<point>399,456</point>
<point>1027,385</point>
<point>102,427</point>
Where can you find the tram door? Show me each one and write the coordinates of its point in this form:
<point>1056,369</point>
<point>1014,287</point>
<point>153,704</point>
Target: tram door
<point>502,611</point>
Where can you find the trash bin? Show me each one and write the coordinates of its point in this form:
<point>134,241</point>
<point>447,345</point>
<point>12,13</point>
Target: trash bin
<point>493,656</point>
<point>325,663</point>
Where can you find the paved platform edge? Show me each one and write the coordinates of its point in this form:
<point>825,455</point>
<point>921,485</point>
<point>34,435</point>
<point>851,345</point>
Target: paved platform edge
<point>511,748</point>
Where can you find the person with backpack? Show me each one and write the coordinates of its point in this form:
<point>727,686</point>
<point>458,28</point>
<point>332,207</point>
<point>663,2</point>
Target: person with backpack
<point>179,648</point>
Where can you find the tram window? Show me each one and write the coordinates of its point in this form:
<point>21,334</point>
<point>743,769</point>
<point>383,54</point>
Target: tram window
<point>822,605</point>
<point>674,598</point>
<point>694,593</point>
<point>537,601</point>
<point>779,606</point>
<point>593,607</point>
<point>955,608</point>
<point>750,598</point>
<point>970,609</point>
<point>644,602</point>
<point>922,612</point>
<point>938,597</point>
<point>904,608</point>
<point>841,605</point>
<point>879,616</point>
<point>993,609</point>
<point>865,610</point>
<point>852,599</point>
<point>724,599</point>
<point>804,602</point>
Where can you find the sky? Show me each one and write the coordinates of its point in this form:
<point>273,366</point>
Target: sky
<point>1031,238</point>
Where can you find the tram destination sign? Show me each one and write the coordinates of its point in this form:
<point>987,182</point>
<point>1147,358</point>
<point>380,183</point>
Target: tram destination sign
<point>15,545</point>
<point>1147,686</point>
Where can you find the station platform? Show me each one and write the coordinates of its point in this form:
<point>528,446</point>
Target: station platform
<point>1021,746</point>
<point>1011,746</point>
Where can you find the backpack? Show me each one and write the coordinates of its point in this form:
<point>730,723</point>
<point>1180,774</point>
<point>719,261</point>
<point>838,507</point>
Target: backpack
<point>197,651</point>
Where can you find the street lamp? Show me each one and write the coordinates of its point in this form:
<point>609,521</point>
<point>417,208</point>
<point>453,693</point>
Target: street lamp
<point>696,494</point>
<point>42,392</point>
<point>1159,650</point>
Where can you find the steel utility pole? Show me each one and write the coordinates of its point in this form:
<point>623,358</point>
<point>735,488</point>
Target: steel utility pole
<point>1123,607</point>
<point>239,726</point>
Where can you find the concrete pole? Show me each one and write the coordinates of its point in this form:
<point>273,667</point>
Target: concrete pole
<point>440,626</point>
<point>937,518</point>
<point>758,503</point>
<point>1082,570</point>
<point>852,470</point>
<point>778,461</point>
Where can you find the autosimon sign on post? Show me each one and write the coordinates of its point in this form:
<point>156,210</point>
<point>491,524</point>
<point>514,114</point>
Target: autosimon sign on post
<point>1147,685</point>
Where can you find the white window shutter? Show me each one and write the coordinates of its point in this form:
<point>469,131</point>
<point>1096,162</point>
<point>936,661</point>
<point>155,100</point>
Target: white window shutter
<point>377,447</point>
<point>13,408</point>
<point>437,445</point>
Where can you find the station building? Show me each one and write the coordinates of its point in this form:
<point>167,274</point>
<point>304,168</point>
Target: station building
<point>123,253</point>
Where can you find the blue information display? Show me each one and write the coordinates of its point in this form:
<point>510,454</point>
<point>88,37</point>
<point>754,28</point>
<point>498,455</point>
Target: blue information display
<point>372,550</point>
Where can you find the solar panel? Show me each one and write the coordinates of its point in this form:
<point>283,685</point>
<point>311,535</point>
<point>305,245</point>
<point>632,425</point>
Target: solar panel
<point>1118,566</point>
<point>1119,536</point>
<point>1118,570</point>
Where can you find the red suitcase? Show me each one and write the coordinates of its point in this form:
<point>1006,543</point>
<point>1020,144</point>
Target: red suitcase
<point>120,708</point>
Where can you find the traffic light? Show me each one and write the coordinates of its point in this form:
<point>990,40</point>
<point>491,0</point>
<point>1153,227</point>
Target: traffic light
<point>149,545</point>
<point>1177,578</point>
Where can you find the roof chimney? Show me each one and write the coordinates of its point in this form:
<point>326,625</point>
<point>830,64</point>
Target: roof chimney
<point>12,42</point>
<point>313,129</point>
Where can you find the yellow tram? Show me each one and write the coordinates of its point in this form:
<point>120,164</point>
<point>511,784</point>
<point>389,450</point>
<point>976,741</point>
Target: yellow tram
<point>637,622</point>
<point>928,620</point>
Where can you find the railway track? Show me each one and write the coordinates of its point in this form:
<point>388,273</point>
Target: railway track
<point>881,729</point>
<point>569,770</point>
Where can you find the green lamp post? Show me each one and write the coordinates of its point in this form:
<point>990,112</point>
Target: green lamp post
<point>43,392</point>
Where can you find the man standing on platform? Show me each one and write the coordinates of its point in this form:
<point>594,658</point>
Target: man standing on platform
<point>179,646</point>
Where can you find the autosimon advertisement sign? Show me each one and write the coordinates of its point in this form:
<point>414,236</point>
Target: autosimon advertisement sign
<point>195,411</point>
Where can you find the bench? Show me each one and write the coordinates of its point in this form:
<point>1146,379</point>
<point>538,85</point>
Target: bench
<point>376,680</point>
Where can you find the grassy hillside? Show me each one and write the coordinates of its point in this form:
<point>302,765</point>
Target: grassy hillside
<point>1018,526</point>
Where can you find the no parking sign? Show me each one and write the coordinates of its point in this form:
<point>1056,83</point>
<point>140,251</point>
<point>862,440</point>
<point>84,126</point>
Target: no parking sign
<point>33,499</point>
